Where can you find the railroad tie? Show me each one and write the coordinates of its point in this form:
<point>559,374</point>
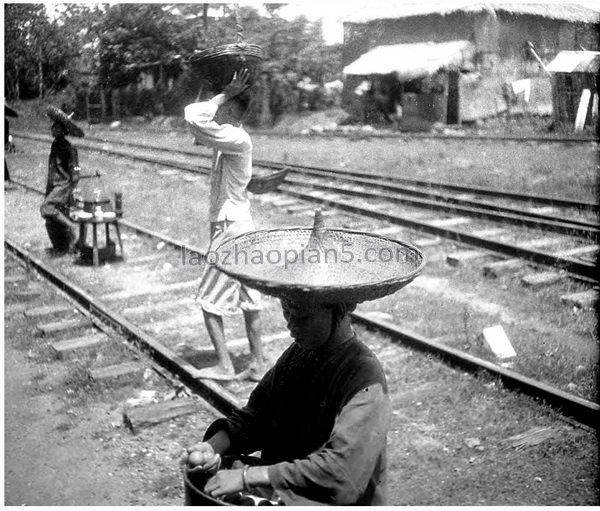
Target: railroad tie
<point>458,258</point>
<point>583,299</point>
<point>65,325</point>
<point>450,222</point>
<point>48,310</point>
<point>15,279</point>
<point>578,251</point>
<point>144,416</point>
<point>426,242</point>
<point>16,308</point>
<point>499,268</point>
<point>27,294</point>
<point>542,279</point>
<point>79,346</point>
<point>127,372</point>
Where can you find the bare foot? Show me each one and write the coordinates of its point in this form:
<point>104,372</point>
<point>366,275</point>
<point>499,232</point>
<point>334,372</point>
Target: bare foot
<point>253,373</point>
<point>216,373</point>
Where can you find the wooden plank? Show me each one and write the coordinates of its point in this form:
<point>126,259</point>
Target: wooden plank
<point>156,413</point>
<point>78,346</point>
<point>117,373</point>
<point>542,279</point>
<point>47,310</point>
<point>65,325</point>
<point>582,109</point>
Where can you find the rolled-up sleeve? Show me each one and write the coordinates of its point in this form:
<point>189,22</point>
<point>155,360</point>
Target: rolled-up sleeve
<point>226,138</point>
<point>341,470</point>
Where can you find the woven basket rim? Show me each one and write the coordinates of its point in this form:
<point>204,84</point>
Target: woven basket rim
<point>208,55</point>
<point>351,293</point>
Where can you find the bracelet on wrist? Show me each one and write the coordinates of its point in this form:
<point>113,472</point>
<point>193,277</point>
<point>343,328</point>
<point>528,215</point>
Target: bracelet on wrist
<point>245,478</point>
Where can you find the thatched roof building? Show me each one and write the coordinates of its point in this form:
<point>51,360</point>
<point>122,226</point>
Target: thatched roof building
<point>471,52</point>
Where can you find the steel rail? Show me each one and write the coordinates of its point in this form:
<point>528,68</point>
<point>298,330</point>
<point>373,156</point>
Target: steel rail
<point>579,268</point>
<point>545,200</point>
<point>584,411</point>
<point>563,226</point>
<point>560,225</point>
<point>484,205</point>
<point>539,199</point>
<point>580,409</point>
<point>211,392</point>
<point>434,136</point>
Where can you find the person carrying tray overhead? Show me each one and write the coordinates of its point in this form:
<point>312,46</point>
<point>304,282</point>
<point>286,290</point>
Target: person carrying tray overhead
<point>216,122</point>
<point>63,177</point>
<point>320,416</point>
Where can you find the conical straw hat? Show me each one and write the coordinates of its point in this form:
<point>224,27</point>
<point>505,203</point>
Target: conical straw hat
<point>318,264</point>
<point>57,115</point>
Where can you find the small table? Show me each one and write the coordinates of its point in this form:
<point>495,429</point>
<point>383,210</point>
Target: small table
<point>95,222</point>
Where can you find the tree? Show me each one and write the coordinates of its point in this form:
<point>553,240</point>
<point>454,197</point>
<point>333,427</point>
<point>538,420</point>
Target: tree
<point>39,51</point>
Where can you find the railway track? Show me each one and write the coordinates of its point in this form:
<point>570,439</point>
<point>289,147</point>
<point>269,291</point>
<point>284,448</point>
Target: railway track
<point>157,312</point>
<point>456,215</point>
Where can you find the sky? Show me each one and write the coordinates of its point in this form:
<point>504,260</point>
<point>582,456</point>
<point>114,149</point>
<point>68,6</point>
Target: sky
<point>332,11</point>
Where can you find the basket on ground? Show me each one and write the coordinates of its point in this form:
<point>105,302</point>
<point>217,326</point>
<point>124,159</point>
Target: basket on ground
<point>318,264</point>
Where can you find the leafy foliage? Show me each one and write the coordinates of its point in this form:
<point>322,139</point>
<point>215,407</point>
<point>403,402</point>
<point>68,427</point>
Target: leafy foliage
<point>109,46</point>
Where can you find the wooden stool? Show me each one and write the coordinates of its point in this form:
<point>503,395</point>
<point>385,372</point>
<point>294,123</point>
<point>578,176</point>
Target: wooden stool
<point>95,222</point>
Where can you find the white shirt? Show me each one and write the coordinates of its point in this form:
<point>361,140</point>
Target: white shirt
<point>231,165</point>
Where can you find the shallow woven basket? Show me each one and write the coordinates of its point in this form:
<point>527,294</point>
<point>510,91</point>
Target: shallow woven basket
<point>318,264</point>
<point>268,183</point>
<point>218,64</point>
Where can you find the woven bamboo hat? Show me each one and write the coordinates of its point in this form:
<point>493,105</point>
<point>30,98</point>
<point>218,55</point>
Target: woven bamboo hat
<point>217,64</point>
<point>319,265</point>
<point>57,115</point>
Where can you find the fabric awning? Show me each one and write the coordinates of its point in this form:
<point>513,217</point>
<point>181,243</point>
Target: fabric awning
<point>575,62</point>
<point>412,61</point>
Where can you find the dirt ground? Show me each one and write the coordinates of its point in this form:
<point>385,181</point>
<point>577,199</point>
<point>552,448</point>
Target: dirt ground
<point>65,443</point>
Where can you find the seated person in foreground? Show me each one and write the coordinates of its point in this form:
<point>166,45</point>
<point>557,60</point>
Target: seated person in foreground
<point>319,417</point>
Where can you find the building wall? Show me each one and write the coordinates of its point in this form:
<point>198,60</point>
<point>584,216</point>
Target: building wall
<point>502,53</point>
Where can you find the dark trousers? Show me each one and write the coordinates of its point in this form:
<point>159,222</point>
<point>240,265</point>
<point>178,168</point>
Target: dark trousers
<point>60,233</point>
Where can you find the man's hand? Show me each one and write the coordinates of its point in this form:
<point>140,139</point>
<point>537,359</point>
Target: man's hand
<point>224,482</point>
<point>238,84</point>
<point>202,458</point>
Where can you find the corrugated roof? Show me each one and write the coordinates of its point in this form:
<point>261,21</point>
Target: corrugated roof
<point>575,62</point>
<point>411,61</point>
<point>396,10</point>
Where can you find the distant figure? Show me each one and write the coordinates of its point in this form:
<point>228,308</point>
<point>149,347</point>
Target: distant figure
<point>8,112</point>
<point>216,123</point>
<point>63,177</point>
